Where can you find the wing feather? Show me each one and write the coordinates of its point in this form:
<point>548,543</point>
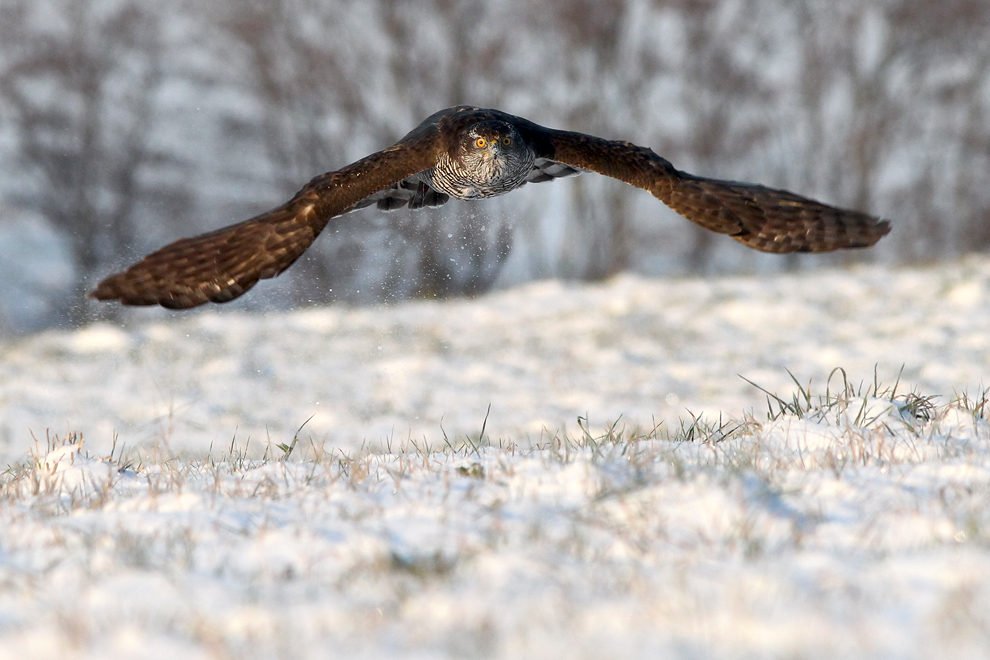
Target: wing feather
<point>762,218</point>
<point>548,170</point>
<point>221,265</point>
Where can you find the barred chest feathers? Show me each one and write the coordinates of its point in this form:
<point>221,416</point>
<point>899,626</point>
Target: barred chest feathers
<point>491,158</point>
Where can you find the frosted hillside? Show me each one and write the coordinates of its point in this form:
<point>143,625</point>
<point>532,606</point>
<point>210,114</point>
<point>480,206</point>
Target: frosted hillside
<point>643,350</point>
<point>852,522</point>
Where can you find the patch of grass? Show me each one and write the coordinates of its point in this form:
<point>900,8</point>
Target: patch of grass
<point>842,397</point>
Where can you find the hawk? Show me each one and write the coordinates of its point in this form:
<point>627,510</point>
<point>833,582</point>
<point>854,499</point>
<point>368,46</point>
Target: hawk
<point>473,153</point>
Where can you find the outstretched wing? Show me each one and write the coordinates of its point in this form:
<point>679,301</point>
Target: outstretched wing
<point>221,265</point>
<point>763,218</point>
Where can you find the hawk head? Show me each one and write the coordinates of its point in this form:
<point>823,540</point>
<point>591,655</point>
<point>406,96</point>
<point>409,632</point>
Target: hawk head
<point>490,157</point>
<point>490,140</point>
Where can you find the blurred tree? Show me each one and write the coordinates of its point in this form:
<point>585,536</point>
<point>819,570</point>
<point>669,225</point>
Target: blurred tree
<point>78,90</point>
<point>594,32</point>
<point>314,106</point>
<point>915,75</point>
<point>881,105</point>
<point>719,86</point>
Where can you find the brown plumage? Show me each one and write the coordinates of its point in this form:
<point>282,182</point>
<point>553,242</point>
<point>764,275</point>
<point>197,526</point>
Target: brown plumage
<point>471,153</point>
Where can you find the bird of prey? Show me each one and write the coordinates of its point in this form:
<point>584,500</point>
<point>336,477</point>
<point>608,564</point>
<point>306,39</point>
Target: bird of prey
<point>472,153</point>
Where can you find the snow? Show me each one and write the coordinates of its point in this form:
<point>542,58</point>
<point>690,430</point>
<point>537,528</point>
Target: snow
<point>147,513</point>
<point>34,267</point>
<point>541,355</point>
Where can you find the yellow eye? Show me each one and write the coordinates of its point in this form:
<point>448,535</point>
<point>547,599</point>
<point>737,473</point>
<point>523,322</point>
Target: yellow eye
<point>506,141</point>
<point>481,142</point>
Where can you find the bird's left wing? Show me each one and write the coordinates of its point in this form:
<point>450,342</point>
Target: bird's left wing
<point>223,264</point>
<point>545,169</point>
<point>762,218</point>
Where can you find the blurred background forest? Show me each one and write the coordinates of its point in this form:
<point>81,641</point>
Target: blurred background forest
<point>126,124</point>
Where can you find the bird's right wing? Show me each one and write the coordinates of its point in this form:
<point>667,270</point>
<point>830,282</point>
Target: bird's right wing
<point>223,264</point>
<point>762,218</point>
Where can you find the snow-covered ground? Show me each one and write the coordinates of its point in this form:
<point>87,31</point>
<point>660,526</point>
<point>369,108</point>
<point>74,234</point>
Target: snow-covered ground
<point>396,529</point>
